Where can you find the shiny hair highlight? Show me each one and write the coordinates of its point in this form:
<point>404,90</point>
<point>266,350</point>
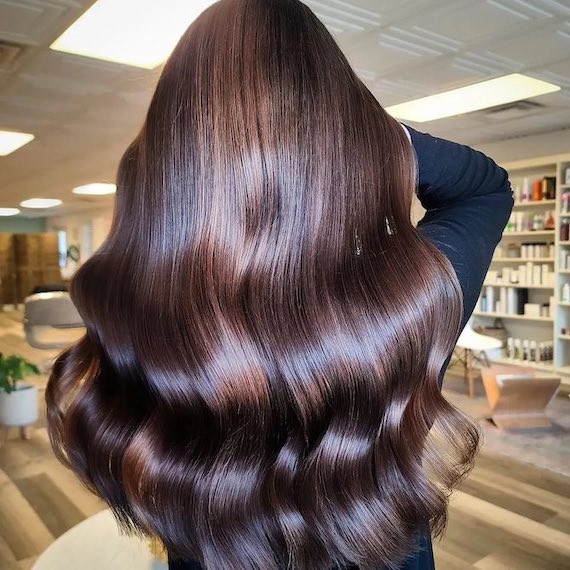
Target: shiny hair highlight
<point>258,382</point>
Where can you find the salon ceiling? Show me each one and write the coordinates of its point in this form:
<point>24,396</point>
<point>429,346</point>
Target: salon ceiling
<point>84,112</point>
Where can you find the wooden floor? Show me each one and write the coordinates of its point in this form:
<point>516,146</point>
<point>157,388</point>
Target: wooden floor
<point>506,516</point>
<point>39,501</point>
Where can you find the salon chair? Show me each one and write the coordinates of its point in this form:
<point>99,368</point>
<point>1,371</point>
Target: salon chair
<point>46,316</point>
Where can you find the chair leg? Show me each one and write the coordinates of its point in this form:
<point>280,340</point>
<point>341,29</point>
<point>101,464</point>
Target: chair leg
<point>470,376</point>
<point>465,363</point>
<point>485,358</point>
<point>26,432</point>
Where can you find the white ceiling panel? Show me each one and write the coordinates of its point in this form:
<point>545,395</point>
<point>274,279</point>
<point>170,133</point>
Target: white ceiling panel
<point>30,22</point>
<point>84,112</point>
<point>468,21</point>
<point>442,72</point>
<point>341,17</point>
<point>534,8</point>
<point>534,46</point>
<point>558,73</point>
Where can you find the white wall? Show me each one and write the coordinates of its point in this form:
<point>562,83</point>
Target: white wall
<point>20,225</point>
<point>85,230</point>
<point>547,144</point>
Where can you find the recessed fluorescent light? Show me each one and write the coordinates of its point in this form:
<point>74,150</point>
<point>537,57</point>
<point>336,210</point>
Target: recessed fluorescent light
<point>96,189</point>
<point>9,211</point>
<point>141,33</point>
<point>11,141</point>
<point>491,93</point>
<point>40,203</point>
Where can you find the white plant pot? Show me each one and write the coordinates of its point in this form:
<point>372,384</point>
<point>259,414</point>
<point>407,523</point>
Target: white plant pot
<point>19,408</point>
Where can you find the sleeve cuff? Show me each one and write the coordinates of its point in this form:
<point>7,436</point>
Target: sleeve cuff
<point>406,131</point>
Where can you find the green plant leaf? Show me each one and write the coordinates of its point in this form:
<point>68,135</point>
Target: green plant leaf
<point>12,369</point>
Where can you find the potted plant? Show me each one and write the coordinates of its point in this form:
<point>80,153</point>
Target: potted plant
<point>18,401</point>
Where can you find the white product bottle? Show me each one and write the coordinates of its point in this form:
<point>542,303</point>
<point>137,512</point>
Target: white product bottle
<point>518,351</point>
<point>525,350</point>
<point>533,351</point>
<point>526,190</point>
<point>490,294</point>
<point>510,347</point>
<point>566,293</point>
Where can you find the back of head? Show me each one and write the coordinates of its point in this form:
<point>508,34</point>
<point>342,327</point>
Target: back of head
<point>258,385</point>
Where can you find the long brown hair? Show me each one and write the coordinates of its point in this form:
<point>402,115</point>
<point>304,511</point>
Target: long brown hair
<point>258,383</point>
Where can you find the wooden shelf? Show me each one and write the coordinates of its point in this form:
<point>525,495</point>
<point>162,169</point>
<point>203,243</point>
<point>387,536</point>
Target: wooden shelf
<point>564,271</point>
<point>516,317</point>
<point>564,243</point>
<point>545,366</point>
<point>523,259</point>
<point>532,203</point>
<point>517,286</point>
<point>563,304</point>
<point>529,233</point>
<point>564,336</point>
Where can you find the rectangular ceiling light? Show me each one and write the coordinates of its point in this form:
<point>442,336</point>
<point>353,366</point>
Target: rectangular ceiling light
<point>11,141</point>
<point>141,33</point>
<point>491,93</point>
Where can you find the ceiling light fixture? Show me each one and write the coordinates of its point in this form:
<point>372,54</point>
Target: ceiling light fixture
<point>141,33</point>
<point>96,189</point>
<point>9,211</point>
<point>498,91</point>
<point>11,141</point>
<point>40,203</point>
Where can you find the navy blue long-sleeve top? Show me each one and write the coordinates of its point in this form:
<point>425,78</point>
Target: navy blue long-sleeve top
<point>468,199</point>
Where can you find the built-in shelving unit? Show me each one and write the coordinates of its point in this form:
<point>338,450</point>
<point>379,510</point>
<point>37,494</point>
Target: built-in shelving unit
<point>554,328</point>
<point>562,346</point>
<point>532,234</point>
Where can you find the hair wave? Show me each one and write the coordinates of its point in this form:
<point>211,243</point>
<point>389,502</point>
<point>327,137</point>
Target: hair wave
<point>258,382</point>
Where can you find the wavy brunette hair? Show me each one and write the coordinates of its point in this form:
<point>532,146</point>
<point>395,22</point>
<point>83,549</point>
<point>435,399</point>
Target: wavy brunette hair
<point>258,381</point>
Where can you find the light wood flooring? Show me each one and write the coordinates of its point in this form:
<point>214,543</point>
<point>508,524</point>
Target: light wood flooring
<point>506,516</point>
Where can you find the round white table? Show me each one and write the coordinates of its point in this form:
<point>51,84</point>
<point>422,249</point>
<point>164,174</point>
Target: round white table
<point>97,544</point>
